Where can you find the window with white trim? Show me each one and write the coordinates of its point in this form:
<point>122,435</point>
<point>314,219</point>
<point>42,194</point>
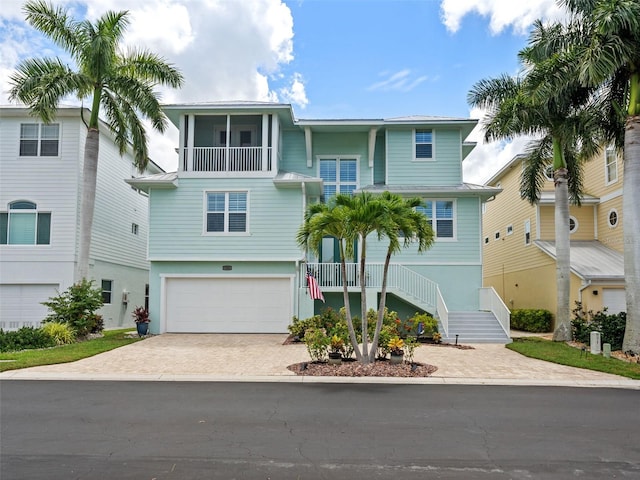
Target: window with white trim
<point>339,175</point>
<point>107,291</point>
<point>423,144</point>
<point>611,165</point>
<point>226,212</point>
<point>496,236</point>
<point>39,139</point>
<point>527,232</point>
<point>509,229</point>
<point>23,224</point>
<point>441,216</point>
<point>612,218</point>
<point>548,173</point>
<point>573,224</point>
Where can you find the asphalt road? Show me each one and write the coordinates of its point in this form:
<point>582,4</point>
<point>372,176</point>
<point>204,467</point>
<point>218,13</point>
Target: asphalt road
<point>179,430</point>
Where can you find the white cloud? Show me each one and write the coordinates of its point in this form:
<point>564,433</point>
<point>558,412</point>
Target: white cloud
<point>400,80</point>
<point>295,93</point>
<point>517,14</point>
<point>488,158</point>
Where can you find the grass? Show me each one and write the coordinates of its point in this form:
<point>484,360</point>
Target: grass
<point>65,353</point>
<point>560,352</point>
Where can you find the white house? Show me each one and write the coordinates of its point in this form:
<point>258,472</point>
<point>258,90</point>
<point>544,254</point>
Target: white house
<point>40,183</point>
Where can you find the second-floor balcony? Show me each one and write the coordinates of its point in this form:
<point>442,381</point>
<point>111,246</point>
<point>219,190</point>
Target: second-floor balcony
<point>227,159</point>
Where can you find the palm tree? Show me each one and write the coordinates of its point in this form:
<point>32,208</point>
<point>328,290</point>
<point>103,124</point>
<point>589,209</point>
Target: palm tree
<point>606,55</point>
<point>331,220</point>
<point>565,123</point>
<point>401,220</point>
<point>121,84</point>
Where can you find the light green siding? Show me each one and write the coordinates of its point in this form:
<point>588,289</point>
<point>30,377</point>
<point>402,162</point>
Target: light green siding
<point>294,153</point>
<point>177,219</point>
<point>444,169</point>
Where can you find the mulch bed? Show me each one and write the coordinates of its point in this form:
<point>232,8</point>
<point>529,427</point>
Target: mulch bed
<point>380,368</point>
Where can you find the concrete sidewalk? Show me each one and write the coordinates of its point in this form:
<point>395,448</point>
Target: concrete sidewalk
<point>264,358</point>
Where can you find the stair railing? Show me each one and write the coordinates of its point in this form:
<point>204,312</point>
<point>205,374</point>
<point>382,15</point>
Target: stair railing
<point>490,301</point>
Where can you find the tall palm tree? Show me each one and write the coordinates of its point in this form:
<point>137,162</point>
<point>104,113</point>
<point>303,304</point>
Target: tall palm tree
<point>401,220</point>
<point>564,122</point>
<point>606,55</point>
<point>331,220</point>
<point>121,84</point>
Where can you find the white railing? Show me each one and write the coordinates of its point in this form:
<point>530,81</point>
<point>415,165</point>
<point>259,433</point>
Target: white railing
<point>490,301</point>
<point>401,278</point>
<point>227,159</point>
<point>443,314</point>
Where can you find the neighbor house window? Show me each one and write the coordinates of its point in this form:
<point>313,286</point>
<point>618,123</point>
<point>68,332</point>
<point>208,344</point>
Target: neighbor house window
<point>611,165</point>
<point>548,173</point>
<point>573,224</point>
<point>339,175</point>
<point>440,214</point>
<point>107,290</point>
<point>146,296</point>
<point>527,232</point>
<point>134,228</point>
<point>613,218</point>
<point>23,224</point>
<point>496,236</point>
<point>226,212</point>
<point>509,229</point>
<point>423,144</point>
<point>39,140</point>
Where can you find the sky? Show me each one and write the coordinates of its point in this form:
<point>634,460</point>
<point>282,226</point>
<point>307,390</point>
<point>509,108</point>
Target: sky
<point>338,59</point>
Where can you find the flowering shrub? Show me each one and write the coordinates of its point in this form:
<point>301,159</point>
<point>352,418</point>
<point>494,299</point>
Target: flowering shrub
<point>141,315</point>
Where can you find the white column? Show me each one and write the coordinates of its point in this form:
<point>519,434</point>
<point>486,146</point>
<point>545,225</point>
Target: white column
<point>265,142</point>
<point>192,124</point>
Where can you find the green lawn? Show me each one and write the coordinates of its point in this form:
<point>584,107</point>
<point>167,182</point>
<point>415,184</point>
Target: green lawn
<point>65,353</point>
<point>560,352</point>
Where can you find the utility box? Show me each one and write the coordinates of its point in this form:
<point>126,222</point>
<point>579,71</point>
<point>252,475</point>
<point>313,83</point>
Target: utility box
<point>606,350</point>
<point>596,338</point>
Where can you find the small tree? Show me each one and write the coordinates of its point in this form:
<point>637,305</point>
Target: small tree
<point>77,307</point>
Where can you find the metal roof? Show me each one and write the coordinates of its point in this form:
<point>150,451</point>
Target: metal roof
<point>590,259</point>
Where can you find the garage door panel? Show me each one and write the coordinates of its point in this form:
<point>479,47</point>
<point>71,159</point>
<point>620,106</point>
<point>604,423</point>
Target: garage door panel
<point>228,305</point>
<point>21,304</point>
<point>614,300</point>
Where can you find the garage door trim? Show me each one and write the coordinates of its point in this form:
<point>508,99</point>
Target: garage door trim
<point>171,276</point>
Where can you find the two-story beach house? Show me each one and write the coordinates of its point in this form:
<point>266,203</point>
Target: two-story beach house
<point>222,241</point>
<point>40,184</point>
<point>519,240</point>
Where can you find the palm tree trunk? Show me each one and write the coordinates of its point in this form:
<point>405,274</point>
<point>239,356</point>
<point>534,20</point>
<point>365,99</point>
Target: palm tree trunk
<point>347,304</point>
<point>381,307</point>
<point>562,332</point>
<point>87,201</point>
<point>363,302</point>
<point>631,226</point>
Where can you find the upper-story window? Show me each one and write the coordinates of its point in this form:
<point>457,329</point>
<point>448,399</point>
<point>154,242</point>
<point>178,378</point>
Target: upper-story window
<point>611,165</point>
<point>339,175</point>
<point>39,139</point>
<point>441,216</point>
<point>23,224</point>
<point>226,212</point>
<point>423,144</point>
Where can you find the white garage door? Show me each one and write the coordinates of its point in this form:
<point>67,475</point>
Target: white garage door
<point>20,305</point>
<point>614,299</point>
<point>228,305</point>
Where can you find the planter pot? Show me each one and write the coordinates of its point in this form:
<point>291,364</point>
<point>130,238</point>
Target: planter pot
<point>335,358</point>
<point>397,358</point>
<point>143,328</point>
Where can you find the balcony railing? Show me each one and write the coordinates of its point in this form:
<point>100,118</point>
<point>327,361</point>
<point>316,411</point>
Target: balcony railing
<point>227,159</point>
<point>399,278</point>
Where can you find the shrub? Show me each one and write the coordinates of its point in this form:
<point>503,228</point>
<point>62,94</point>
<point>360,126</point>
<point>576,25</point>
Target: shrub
<point>532,320</point>
<point>25,338</point>
<point>77,306</point>
<point>611,327</point>
<point>317,341</point>
<point>62,333</point>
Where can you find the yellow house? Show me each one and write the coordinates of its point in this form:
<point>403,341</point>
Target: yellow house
<point>519,240</point>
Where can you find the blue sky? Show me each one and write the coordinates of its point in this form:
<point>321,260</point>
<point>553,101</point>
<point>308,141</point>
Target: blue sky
<point>328,58</point>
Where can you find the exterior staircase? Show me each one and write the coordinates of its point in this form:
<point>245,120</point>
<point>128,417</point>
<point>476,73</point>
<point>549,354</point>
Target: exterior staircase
<point>475,327</point>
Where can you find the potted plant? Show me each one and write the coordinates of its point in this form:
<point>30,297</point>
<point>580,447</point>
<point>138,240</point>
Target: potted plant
<point>141,317</point>
<point>336,347</point>
<point>396,345</point>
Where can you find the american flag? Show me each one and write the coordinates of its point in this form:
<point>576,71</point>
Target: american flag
<point>314,290</point>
